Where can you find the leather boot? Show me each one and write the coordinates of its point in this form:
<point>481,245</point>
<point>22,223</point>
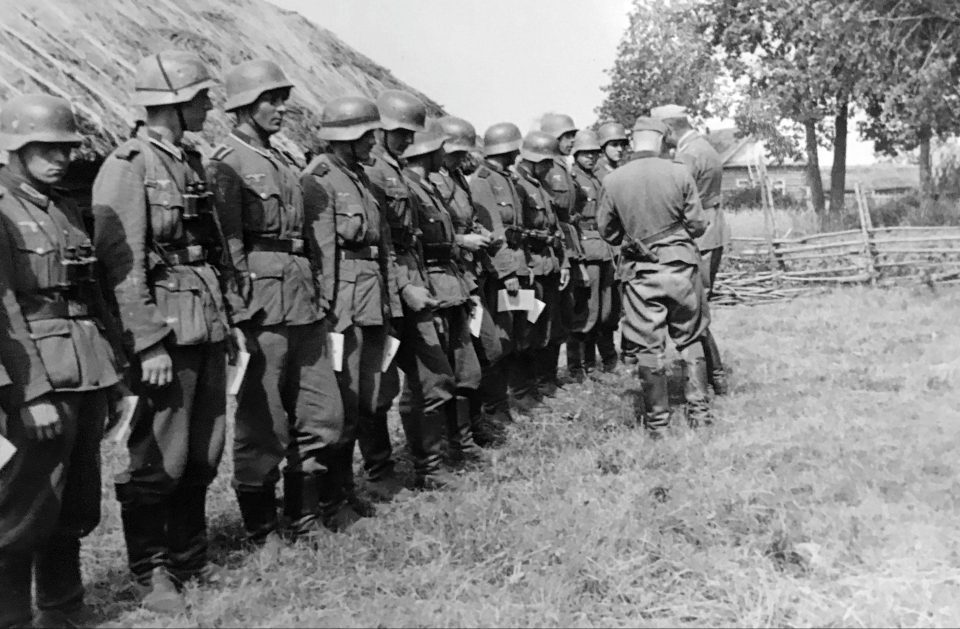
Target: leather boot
<point>335,510</point>
<point>589,351</point>
<point>460,441</point>
<point>302,503</point>
<point>187,535</point>
<point>425,432</point>
<point>607,349</point>
<point>716,374</point>
<point>522,380</point>
<point>695,387</point>
<point>576,367</point>
<point>343,472</point>
<point>15,588</point>
<point>59,585</point>
<point>656,401</point>
<point>258,508</point>
<point>546,367</point>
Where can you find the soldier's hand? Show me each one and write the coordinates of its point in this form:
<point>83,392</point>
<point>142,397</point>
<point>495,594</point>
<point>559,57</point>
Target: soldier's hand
<point>156,366</point>
<point>41,419</point>
<point>512,284</point>
<point>474,242</point>
<point>418,298</point>
<point>564,278</point>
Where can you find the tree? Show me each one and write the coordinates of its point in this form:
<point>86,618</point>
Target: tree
<point>662,58</point>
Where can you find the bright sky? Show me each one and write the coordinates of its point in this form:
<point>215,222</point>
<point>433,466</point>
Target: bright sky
<point>486,60</point>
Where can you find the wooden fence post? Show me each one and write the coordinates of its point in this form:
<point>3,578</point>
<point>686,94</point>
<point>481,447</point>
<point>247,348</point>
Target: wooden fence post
<point>866,230</point>
<point>769,225</point>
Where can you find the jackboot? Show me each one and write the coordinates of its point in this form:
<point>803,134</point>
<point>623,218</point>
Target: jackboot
<point>187,535</point>
<point>576,365</point>
<point>460,440</point>
<point>546,366</point>
<point>716,374</point>
<point>425,432</point>
<point>695,387</point>
<point>522,381</point>
<point>15,580</point>
<point>301,503</point>
<point>607,349</point>
<point>655,415</point>
<point>334,507</point>
<point>59,585</point>
<point>589,352</point>
<point>341,461</point>
<point>258,508</point>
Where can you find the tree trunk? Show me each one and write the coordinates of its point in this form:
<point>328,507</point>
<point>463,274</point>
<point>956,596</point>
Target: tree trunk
<point>838,174</point>
<point>926,174</point>
<point>814,180</point>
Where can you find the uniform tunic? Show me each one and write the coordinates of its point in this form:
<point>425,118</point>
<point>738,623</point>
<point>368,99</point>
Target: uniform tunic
<point>53,347</point>
<point>289,405</point>
<point>704,164</point>
<point>656,199</point>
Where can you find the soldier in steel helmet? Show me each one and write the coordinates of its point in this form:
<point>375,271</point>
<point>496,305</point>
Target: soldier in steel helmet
<point>499,201</point>
<point>289,406</point>
<point>477,248</point>
<point>547,264</point>
<point>563,193</point>
<point>704,164</point>
<point>652,206</point>
<point>614,144</point>
<point>451,316</point>
<point>596,311</point>
<point>420,355</point>
<point>57,369</point>
<point>162,249</point>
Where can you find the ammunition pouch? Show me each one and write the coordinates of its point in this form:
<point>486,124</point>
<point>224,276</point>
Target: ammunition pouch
<point>196,200</point>
<point>404,237</point>
<point>437,252</point>
<point>514,236</point>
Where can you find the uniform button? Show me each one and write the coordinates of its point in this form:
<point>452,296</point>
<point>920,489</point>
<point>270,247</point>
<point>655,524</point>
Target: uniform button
<point>263,195</point>
<point>39,251</point>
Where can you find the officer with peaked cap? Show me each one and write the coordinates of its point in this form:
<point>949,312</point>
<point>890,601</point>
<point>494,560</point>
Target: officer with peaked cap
<point>289,406</point>
<point>57,365</point>
<point>162,249</point>
<point>652,206</point>
<point>704,164</point>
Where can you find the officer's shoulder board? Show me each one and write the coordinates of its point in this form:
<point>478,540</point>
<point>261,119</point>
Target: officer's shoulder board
<point>129,149</point>
<point>220,152</point>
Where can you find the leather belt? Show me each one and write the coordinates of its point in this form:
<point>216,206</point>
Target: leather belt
<point>293,246</point>
<point>361,253</point>
<point>188,255</point>
<point>56,308</point>
<point>663,233</point>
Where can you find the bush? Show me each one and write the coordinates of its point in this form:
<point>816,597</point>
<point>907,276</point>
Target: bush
<point>907,210</point>
<point>749,198</point>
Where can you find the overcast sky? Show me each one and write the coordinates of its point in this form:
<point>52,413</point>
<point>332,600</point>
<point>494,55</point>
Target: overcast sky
<point>486,60</point>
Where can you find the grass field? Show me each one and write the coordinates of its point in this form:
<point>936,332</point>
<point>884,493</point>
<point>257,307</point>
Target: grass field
<point>827,495</point>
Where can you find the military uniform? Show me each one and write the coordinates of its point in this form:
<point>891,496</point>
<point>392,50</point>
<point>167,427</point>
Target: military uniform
<point>653,203</point>
<point>604,167</point>
<point>597,305</point>
<point>420,355</point>
<point>161,248</point>
<point>52,348</point>
<point>289,405</point>
<point>500,210</point>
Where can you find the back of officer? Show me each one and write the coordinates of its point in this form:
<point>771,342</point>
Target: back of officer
<point>499,201</point>
<point>596,312</point>
<point>289,406</point>
<point>420,355</point>
<point>58,365</point>
<point>547,264</point>
<point>158,239</point>
<point>652,206</point>
<point>564,194</point>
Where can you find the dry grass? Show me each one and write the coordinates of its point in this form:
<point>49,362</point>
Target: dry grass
<point>828,495</point>
<point>749,223</point>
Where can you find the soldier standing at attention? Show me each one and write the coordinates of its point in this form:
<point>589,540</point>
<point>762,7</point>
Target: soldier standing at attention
<point>477,247</point>
<point>420,355</point>
<point>496,192</point>
<point>289,406</point>
<point>613,143</point>
<point>162,251</point>
<point>57,365</point>
<point>451,316</point>
<point>597,303</point>
<point>559,184</point>
<point>704,164</point>
<point>548,267</point>
<point>651,205</point>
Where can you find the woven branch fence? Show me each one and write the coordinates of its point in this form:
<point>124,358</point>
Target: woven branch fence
<point>769,269</point>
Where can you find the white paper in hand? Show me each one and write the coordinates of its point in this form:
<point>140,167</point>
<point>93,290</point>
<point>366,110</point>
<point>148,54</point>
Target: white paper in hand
<point>7,450</point>
<point>533,315</point>
<point>390,348</point>
<point>476,319</point>
<point>236,372</point>
<point>523,300</point>
<point>121,432</point>
<point>335,345</point>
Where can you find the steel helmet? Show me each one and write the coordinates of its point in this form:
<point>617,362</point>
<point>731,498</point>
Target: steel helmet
<point>557,124</point>
<point>401,110</point>
<point>247,81</point>
<point>170,77</point>
<point>503,137</point>
<point>348,118</point>
<point>37,118</point>
<point>460,134</point>
<point>539,146</point>
<point>423,142</point>
<point>611,132</point>
<point>585,140</point>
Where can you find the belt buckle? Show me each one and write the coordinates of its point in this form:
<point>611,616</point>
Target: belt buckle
<point>194,253</point>
<point>296,245</point>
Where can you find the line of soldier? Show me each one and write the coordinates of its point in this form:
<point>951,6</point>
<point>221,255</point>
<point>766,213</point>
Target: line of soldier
<point>315,275</point>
